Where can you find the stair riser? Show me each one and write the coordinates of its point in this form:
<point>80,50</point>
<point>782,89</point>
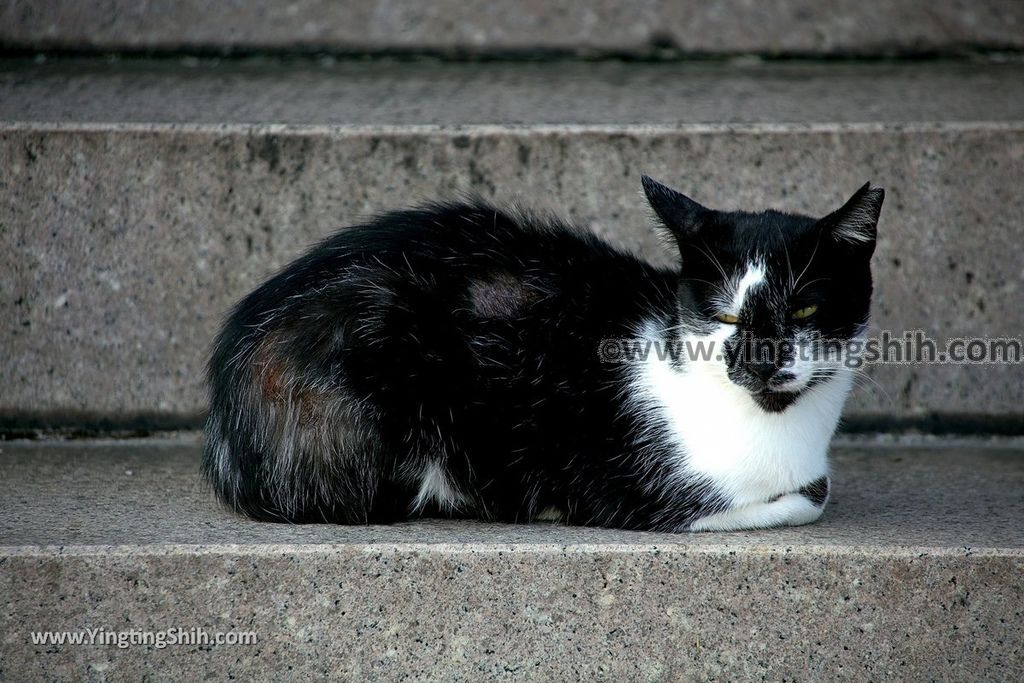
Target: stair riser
<point>629,614</point>
<point>803,27</point>
<point>123,247</point>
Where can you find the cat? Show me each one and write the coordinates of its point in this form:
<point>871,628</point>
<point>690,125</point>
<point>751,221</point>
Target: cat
<point>446,361</point>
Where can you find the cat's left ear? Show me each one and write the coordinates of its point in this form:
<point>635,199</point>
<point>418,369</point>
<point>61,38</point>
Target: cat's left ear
<point>681,215</point>
<point>856,223</point>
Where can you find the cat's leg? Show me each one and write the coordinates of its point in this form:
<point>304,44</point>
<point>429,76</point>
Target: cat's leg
<point>792,509</point>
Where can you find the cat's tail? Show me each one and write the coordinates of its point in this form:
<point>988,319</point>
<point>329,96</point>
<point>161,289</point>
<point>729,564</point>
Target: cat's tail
<point>282,448</point>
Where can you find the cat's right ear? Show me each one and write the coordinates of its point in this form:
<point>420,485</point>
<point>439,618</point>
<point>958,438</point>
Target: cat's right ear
<point>682,216</point>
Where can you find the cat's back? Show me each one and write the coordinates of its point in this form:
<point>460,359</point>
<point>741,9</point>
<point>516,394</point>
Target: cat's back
<point>496,257</point>
<point>462,238</point>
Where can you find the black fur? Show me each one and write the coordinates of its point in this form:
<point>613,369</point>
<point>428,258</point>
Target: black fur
<point>816,491</point>
<point>467,336</point>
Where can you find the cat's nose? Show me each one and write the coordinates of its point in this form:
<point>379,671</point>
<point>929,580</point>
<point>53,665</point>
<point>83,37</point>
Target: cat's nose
<point>763,370</point>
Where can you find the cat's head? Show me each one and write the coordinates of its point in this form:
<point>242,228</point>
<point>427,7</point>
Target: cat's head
<point>765,286</point>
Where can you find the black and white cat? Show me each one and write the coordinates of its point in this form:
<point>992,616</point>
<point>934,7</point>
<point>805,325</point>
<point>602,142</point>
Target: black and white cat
<point>446,361</point>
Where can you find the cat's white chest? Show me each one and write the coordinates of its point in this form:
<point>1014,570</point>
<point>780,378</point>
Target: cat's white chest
<point>721,435</point>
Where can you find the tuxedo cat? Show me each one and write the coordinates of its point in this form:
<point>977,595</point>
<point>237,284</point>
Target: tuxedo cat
<point>447,361</point>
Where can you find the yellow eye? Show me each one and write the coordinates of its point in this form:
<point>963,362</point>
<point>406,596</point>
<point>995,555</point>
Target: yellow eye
<point>805,312</point>
<point>727,319</point>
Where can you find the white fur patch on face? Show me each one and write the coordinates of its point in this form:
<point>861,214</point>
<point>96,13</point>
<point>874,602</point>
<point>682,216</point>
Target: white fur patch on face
<point>814,358</point>
<point>721,435</point>
<point>792,509</point>
<point>753,277</point>
<point>804,365</point>
<point>435,486</point>
<point>731,296</point>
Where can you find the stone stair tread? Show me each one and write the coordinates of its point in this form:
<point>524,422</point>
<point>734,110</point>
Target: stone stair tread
<point>145,496</point>
<point>912,574</point>
<point>397,93</point>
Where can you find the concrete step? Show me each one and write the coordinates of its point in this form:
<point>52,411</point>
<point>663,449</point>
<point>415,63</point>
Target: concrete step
<point>145,197</point>
<point>914,573</point>
<point>652,27</point>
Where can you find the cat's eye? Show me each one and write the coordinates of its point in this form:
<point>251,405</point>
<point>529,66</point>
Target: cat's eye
<point>727,318</point>
<point>805,312</point>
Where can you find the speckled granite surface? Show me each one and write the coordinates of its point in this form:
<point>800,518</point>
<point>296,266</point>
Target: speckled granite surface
<point>147,492</point>
<point>483,26</point>
<point>913,573</point>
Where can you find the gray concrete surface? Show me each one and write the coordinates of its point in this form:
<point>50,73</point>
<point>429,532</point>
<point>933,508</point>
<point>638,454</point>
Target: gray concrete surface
<point>480,26</point>
<point>913,573</point>
<point>926,497</point>
<point>388,92</point>
<point>123,247</point>
<point>133,221</point>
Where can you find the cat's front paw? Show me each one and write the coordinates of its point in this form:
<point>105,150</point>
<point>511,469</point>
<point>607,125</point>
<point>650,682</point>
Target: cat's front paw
<point>791,509</point>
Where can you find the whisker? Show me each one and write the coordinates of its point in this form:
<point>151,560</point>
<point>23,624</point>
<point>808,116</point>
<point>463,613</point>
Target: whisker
<point>859,379</point>
<point>789,264</point>
<point>810,260</point>
<point>714,261</point>
<point>809,283</point>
